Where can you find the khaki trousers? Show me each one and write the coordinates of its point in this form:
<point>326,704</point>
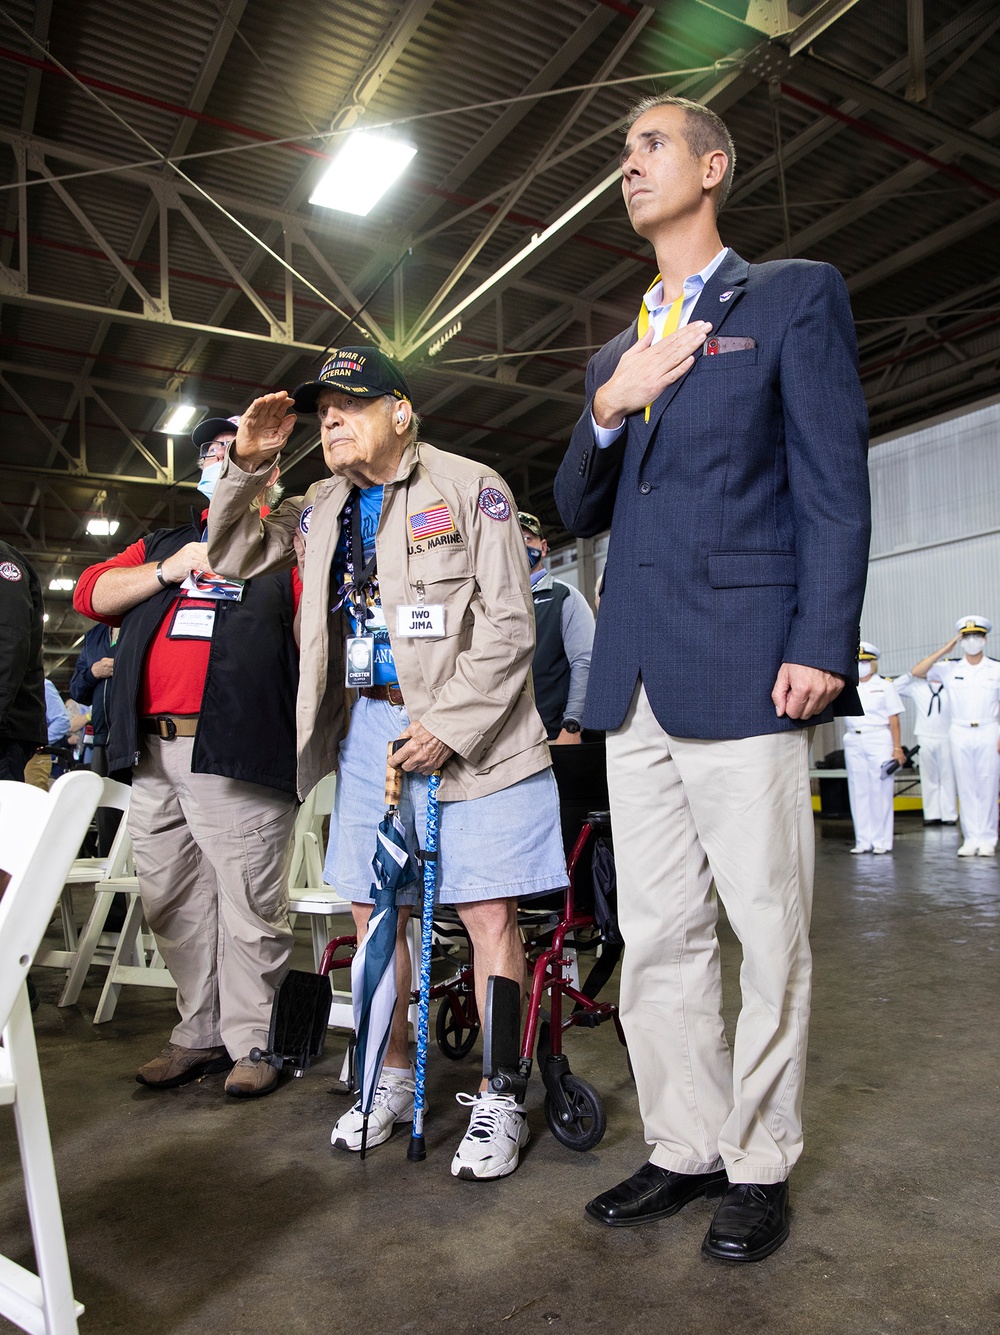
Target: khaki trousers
<point>685,812</point>
<point>38,771</point>
<point>211,858</point>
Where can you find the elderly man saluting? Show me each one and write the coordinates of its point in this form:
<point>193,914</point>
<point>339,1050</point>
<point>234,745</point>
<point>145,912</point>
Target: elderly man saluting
<point>416,595</point>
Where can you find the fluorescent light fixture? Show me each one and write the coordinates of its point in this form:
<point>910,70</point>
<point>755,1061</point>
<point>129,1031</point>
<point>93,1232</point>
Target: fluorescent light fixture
<point>102,528</point>
<point>362,170</point>
<point>62,585</point>
<point>178,418</point>
<point>45,616</point>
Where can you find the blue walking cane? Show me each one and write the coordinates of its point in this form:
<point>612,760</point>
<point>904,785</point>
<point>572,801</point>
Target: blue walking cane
<point>417,1151</point>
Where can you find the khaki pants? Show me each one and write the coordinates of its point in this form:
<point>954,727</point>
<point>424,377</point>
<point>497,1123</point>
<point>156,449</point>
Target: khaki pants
<point>38,771</point>
<point>211,858</point>
<point>684,812</point>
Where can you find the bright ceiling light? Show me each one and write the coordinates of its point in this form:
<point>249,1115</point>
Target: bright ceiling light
<point>102,528</point>
<point>62,585</point>
<point>45,616</point>
<point>362,170</point>
<point>178,418</point>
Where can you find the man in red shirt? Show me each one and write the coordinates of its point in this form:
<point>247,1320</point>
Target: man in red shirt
<point>203,714</point>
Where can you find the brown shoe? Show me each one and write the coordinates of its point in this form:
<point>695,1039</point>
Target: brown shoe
<point>176,1066</point>
<point>249,1080</point>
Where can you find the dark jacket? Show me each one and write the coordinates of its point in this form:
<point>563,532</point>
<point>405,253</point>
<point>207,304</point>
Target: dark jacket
<point>22,680</point>
<point>246,728</point>
<point>550,669</point>
<point>86,689</point>
<point>739,513</point>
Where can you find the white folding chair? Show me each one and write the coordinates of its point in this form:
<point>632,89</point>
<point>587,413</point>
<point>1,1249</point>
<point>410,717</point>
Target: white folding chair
<point>129,964</point>
<point>306,891</point>
<point>40,833</point>
<point>94,944</point>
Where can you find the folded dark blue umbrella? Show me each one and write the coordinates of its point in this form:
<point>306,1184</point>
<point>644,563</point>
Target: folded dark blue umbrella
<point>373,970</point>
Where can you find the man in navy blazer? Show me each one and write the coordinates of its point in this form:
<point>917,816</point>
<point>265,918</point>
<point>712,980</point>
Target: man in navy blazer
<point>724,444</point>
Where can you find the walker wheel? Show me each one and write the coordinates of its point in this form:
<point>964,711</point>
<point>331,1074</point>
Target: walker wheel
<point>587,1121</point>
<point>455,1037</point>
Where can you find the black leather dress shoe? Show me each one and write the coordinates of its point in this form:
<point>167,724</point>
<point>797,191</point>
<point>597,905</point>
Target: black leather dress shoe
<point>653,1193</point>
<point>750,1223</point>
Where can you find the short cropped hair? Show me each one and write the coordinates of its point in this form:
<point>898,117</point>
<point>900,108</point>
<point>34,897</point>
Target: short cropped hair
<point>704,130</point>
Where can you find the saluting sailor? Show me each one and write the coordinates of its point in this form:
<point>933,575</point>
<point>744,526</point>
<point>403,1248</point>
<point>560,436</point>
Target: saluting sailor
<point>870,743</point>
<point>932,727</point>
<point>973,685</point>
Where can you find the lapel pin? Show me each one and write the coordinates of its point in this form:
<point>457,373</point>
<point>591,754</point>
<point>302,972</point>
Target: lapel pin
<point>726,295</point>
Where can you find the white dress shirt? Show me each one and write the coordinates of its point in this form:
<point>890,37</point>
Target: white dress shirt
<point>974,691</point>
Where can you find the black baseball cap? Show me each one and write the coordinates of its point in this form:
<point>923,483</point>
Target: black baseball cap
<point>212,427</point>
<point>363,370</point>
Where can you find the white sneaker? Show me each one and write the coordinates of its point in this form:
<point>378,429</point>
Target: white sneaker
<point>861,848</point>
<point>879,849</point>
<point>987,850</point>
<point>497,1130</point>
<point>393,1104</point>
<point>968,849</point>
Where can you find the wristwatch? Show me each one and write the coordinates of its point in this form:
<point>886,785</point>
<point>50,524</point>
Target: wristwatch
<point>570,725</point>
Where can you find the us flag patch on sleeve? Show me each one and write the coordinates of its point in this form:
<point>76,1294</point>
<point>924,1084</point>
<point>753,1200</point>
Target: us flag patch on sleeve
<point>431,522</point>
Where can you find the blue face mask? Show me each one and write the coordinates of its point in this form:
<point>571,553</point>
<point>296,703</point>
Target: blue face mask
<point>534,556</point>
<point>209,477</point>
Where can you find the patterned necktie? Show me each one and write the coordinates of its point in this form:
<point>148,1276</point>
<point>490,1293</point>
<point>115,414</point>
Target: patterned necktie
<point>670,325</point>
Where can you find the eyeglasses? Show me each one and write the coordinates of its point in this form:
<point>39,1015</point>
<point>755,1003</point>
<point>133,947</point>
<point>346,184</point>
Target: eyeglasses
<point>212,449</point>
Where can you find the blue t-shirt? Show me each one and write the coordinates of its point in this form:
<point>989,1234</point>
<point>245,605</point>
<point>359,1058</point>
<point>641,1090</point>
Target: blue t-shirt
<point>371,512</point>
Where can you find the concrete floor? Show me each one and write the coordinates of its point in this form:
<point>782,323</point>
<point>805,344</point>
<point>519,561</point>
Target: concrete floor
<point>187,1212</point>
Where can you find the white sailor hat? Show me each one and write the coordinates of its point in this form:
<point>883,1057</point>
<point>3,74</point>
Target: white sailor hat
<point>973,625</point>
<point>867,653</point>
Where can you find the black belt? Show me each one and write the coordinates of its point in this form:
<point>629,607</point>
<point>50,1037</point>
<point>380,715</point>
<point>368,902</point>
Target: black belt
<point>169,726</point>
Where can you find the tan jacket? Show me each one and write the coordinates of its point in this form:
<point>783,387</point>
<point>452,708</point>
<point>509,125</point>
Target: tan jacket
<point>471,688</point>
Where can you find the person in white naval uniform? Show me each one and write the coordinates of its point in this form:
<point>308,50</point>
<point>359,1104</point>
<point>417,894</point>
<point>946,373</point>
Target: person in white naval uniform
<point>869,742</point>
<point>932,730</point>
<point>973,686</point>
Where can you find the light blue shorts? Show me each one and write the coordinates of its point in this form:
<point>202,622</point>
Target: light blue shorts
<point>503,846</point>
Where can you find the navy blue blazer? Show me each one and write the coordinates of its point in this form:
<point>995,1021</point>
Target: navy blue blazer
<point>739,514</point>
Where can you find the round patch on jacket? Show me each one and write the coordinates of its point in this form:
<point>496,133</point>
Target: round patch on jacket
<point>494,503</point>
<point>10,571</point>
<point>304,519</point>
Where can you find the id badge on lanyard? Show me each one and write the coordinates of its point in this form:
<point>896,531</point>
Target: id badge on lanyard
<point>360,648</point>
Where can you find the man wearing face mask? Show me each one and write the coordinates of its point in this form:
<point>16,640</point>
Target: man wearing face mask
<point>564,636</point>
<point>973,686</point>
<point>204,668</point>
<point>932,729</point>
<point>869,742</point>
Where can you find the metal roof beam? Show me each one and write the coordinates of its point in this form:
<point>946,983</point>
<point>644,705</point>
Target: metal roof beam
<point>885,190</point>
<point>537,167</point>
<point>91,476</point>
<point>941,43</point>
<point>390,49</point>
<point>509,119</point>
<point>929,245</point>
<point>918,120</point>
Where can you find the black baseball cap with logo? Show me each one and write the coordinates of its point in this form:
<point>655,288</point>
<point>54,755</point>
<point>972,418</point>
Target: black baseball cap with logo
<point>364,371</point>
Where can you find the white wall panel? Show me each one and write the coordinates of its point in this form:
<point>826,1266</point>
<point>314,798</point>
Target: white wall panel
<point>935,551</point>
